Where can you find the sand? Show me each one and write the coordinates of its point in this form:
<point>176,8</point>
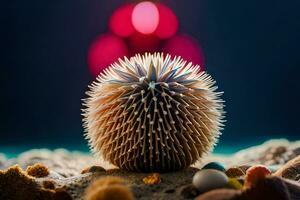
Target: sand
<point>65,170</point>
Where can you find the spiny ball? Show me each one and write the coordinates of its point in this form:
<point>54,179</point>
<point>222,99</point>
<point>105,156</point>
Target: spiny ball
<point>153,113</point>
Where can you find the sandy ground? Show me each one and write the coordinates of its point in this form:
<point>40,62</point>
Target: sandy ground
<point>66,169</point>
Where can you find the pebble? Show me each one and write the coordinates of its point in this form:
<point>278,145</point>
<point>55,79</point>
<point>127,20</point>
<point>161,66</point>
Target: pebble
<point>233,183</point>
<point>208,179</point>
<point>214,165</point>
<point>234,172</point>
<point>256,173</point>
<point>152,179</point>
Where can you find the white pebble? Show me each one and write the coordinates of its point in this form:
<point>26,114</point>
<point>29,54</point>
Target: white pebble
<point>209,179</point>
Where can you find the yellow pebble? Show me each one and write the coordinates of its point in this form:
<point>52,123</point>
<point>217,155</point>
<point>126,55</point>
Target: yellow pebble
<point>152,179</point>
<point>234,183</point>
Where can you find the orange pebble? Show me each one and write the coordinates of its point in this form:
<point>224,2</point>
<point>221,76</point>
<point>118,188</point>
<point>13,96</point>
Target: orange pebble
<point>152,179</point>
<point>255,173</point>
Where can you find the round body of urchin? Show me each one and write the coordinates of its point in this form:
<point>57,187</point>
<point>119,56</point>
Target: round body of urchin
<point>153,113</point>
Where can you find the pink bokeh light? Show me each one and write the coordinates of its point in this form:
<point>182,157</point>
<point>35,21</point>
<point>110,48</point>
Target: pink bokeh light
<point>168,22</point>
<point>140,43</point>
<point>186,47</point>
<point>145,17</point>
<point>105,50</point>
<point>120,21</point>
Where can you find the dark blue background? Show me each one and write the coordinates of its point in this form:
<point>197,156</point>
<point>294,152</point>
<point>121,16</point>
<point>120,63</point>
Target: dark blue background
<point>251,48</point>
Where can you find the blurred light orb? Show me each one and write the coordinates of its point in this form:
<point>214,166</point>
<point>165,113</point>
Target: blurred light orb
<point>141,43</point>
<point>120,21</point>
<point>168,22</point>
<point>186,47</point>
<point>105,50</point>
<point>145,17</point>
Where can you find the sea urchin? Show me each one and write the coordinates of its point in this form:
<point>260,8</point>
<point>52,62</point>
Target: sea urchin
<point>153,113</point>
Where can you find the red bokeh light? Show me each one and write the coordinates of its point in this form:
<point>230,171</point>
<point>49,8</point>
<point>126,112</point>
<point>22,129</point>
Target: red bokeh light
<point>186,47</point>
<point>140,43</point>
<point>145,17</point>
<point>105,50</point>
<point>168,23</point>
<point>120,21</point>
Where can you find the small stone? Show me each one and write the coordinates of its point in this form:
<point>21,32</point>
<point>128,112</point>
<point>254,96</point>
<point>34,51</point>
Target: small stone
<point>189,191</point>
<point>152,179</point>
<point>234,172</point>
<point>233,183</point>
<point>93,169</point>
<point>208,179</point>
<point>214,165</point>
<point>256,173</point>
